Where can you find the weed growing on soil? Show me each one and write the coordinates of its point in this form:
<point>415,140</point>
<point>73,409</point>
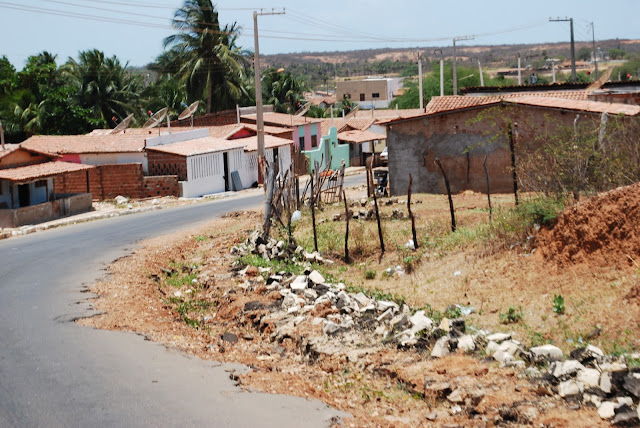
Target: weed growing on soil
<point>558,304</point>
<point>512,316</point>
<point>190,310</point>
<point>370,274</point>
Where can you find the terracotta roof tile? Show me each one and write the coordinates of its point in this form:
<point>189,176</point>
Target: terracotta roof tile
<point>357,136</point>
<point>40,171</point>
<point>270,141</point>
<point>10,148</point>
<point>282,119</point>
<point>455,102</point>
<point>78,144</point>
<point>198,146</point>
<point>587,106</point>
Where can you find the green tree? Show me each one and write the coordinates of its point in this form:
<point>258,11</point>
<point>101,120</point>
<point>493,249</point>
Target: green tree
<point>282,90</point>
<point>103,85</point>
<point>617,53</point>
<point>7,76</point>
<point>584,54</point>
<point>206,56</point>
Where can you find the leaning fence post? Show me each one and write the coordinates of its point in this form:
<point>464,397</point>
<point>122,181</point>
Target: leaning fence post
<point>413,219</point>
<point>375,202</point>
<point>266,225</point>
<point>446,183</point>
<point>486,174</point>
<point>346,236</point>
<point>313,216</point>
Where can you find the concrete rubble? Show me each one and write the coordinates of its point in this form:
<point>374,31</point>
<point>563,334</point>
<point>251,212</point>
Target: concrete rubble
<point>353,324</point>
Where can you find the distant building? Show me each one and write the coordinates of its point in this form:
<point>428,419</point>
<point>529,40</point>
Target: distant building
<point>372,92</point>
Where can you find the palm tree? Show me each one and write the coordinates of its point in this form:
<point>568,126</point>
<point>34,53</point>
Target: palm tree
<point>104,85</point>
<point>283,90</point>
<point>210,63</point>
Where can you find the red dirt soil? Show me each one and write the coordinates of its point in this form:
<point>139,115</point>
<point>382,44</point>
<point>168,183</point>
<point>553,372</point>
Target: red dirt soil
<point>602,231</point>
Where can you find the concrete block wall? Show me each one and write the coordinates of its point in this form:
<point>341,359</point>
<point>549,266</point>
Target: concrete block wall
<point>167,164</point>
<point>156,186</point>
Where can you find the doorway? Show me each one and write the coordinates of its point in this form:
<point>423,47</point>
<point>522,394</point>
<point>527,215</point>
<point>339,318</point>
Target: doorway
<point>24,195</point>
<point>225,162</point>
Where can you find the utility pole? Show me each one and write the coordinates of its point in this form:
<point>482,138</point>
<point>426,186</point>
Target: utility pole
<point>455,71</point>
<point>441,71</point>
<point>420,81</point>
<point>519,71</point>
<point>573,46</point>
<point>479,70</point>
<point>256,68</point>
<point>595,53</point>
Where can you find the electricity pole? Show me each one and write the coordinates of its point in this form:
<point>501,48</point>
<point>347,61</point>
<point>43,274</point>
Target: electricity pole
<point>573,45</point>
<point>420,81</point>
<point>595,54</point>
<point>455,71</point>
<point>256,68</point>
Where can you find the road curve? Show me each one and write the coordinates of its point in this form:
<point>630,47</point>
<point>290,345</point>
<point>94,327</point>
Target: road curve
<point>54,373</point>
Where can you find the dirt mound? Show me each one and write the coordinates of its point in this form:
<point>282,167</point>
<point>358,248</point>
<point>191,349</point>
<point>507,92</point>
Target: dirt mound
<point>602,231</point>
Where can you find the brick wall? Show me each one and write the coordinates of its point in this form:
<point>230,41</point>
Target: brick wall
<point>461,140</point>
<point>109,181</point>
<point>167,164</point>
<point>227,117</point>
<point>161,185</point>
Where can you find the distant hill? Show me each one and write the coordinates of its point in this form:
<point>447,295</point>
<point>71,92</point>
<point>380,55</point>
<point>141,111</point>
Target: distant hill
<point>487,53</point>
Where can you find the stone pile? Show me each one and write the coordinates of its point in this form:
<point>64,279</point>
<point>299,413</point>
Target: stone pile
<point>353,324</point>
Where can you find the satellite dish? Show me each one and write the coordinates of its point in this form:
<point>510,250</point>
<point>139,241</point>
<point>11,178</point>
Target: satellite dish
<point>122,125</point>
<point>156,119</point>
<point>303,110</point>
<point>189,111</point>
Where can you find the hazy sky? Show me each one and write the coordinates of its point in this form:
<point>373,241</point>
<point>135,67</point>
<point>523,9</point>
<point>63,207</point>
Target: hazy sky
<point>133,30</point>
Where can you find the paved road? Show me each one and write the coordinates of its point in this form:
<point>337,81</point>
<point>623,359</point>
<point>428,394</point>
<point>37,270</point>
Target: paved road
<point>54,373</point>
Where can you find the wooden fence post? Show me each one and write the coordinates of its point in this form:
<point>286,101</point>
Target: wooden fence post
<point>413,220</point>
<point>346,236</point>
<point>375,202</point>
<point>313,216</point>
<point>486,174</point>
<point>512,148</point>
<point>446,183</point>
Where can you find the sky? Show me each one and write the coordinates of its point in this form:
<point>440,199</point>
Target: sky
<point>133,30</point>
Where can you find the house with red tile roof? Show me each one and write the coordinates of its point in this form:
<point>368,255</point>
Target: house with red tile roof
<point>461,131</point>
<point>27,191</point>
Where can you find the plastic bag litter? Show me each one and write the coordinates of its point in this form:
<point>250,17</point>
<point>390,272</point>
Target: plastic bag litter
<point>297,215</point>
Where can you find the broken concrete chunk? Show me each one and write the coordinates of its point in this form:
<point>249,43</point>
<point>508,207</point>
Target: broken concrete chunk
<point>562,369</point>
<point>503,357</point>
<point>316,278</point>
<point>589,377</point>
<point>546,352</point>
<point>605,382</point>
<point>498,337</point>
<point>441,348</point>
<point>362,300</point>
<point>569,387</point>
<point>456,396</point>
<point>420,322</point>
<point>383,305</point>
<point>632,384</point>
<point>466,343</point>
<point>329,327</point>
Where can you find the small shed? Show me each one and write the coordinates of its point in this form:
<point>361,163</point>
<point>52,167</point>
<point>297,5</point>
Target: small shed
<point>203,165</point>
<point>362,144</point>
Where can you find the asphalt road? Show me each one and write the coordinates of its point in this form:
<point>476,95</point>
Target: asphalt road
<point>54,373</point>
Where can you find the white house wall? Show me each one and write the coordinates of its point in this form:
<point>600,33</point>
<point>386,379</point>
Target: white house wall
<point>205,175</point>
